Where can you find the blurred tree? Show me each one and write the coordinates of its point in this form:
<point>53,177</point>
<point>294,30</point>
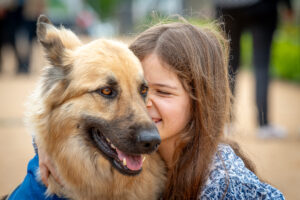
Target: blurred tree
<point>104,8</point>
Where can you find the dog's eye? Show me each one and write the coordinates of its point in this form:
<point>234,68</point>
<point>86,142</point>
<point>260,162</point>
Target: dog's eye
<point>144,90</point>
<point>107,92</point>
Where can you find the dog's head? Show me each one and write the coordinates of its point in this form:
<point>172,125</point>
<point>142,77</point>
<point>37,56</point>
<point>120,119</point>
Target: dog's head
<point>92,102</point>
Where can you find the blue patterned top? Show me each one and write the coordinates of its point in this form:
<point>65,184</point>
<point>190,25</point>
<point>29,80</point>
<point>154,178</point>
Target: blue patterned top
<point>242,183</point>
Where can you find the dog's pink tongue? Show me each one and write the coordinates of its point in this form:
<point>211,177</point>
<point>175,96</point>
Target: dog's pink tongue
<point>132,162</point>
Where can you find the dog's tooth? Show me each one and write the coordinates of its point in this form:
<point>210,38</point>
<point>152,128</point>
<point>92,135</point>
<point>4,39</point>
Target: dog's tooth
<point>124,162</point>
<point>144,158</point>
<point>112,146</point>
<point>107,140</point>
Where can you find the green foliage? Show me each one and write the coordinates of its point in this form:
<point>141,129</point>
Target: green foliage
<point>285,53</point>
<point>156,18</point>
<point>153,18</point>
<point>246,51</point>
<point>104,8</point>
<point>58,6</point>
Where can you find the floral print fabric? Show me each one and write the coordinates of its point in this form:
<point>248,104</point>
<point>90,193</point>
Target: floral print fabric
<point>230,179</point>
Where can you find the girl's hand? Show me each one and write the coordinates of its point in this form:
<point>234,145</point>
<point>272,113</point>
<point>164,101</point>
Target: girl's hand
<point>47,167</point>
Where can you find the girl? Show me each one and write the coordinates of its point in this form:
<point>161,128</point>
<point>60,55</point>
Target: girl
<point>189,101</point>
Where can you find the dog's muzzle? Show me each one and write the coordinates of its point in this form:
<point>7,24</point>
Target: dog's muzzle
<point>126,154</point>
<point>148,140</point>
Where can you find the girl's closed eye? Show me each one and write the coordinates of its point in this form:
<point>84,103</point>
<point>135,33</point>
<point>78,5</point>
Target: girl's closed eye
<point>163,92</point>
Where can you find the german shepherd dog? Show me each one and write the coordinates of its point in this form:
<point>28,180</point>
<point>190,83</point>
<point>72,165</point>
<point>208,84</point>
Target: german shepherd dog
<point>88,113</point>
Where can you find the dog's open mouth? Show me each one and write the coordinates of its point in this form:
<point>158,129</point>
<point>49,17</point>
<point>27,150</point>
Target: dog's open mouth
<point>125,163</point>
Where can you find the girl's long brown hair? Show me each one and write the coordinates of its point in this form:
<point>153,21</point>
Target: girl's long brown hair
<point>199,57</point>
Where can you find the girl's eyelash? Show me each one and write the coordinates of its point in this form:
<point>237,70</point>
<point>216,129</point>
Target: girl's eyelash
<point>163,92</point>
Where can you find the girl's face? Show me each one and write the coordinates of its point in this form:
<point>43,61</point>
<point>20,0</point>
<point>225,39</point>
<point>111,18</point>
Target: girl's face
<point>168,103</point>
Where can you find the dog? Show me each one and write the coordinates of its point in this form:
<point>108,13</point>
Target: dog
<point>88,113</point>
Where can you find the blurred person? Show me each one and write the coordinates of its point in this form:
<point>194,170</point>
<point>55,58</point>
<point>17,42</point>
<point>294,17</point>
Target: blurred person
<point>260,17</point>
<point>30,12</point>
<point>10,18</point>
<point>17,16</point>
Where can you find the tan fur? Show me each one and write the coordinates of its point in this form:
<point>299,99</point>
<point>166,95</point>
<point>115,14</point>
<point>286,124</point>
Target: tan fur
<point>66,93</point>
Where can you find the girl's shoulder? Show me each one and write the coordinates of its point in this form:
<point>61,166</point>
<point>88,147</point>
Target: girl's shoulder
<point>229,178</point>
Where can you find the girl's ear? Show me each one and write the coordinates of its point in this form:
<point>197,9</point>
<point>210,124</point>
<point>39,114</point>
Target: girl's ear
<point>55,41</point>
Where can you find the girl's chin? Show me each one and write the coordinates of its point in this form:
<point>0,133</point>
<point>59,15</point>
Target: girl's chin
<point>158,122</point>
<point>159,126</point>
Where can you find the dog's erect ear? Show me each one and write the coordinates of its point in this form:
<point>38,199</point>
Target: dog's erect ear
<point>55,41</point>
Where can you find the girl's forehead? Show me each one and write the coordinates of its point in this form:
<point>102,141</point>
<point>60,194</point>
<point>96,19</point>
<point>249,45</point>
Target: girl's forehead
<point>159,74</point>
<point>153,63</point>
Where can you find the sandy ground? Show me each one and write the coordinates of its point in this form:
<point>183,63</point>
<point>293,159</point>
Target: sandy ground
<point>277,161</point>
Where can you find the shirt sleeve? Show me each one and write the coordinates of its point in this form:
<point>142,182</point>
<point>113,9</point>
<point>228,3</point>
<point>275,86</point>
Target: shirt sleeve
<point>31,187</point>
<point>230,179</point>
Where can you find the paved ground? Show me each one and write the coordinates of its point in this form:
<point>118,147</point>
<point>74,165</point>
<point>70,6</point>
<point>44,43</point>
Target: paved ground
<point>277,161</point>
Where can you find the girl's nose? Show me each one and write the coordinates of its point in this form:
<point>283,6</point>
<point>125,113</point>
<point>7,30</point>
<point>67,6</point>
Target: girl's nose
<point>149,102</point>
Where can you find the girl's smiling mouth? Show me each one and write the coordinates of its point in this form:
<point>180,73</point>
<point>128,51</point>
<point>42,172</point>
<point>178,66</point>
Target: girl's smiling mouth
<point>156,120</point>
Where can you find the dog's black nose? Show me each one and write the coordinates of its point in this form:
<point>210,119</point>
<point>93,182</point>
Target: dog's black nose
<point>148,140</point>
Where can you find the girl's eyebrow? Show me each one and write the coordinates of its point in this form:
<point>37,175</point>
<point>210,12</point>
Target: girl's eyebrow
<point>163,85</point>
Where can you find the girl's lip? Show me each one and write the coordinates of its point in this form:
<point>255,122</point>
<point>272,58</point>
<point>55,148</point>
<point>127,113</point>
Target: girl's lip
<point>155,120</point>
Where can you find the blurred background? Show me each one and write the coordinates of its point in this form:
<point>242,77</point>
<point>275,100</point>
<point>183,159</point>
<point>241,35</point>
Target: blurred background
<point>277,159</point>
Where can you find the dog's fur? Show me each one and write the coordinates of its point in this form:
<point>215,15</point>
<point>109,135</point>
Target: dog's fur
<point>67,104</point>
